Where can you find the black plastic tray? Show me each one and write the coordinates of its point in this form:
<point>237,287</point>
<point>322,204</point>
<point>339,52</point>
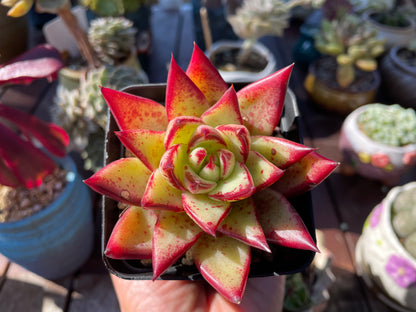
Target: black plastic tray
<point>282,261</point>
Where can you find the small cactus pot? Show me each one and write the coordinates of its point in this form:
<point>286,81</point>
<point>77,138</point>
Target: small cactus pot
<point>370,159</point>
<point>57,240</point>
<point>382,261</point>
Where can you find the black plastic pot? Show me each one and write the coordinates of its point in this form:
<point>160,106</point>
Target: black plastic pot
<point>282,261</point>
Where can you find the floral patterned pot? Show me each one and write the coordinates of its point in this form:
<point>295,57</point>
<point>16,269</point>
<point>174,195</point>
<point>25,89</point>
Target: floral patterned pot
<point>383,262</point>
<point>371,159</point>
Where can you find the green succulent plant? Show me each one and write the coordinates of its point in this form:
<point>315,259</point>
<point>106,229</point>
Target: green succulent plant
<point>392,125</point>
<point>112,39</point>
<point>113,7</point>
<point>352,42</point>
<point>258,18</point>
<point>404,219</point>
<point>82,112</point>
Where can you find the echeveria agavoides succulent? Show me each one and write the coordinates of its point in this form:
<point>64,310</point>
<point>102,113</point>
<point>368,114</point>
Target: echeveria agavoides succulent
<point>200,181</point>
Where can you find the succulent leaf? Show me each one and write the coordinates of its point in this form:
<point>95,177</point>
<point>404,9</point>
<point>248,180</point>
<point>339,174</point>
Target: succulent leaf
<point>132,235</point>
<point>159,194</point>
<point>239,185</point>
<point>263,172</point>
<point>281,152</point>
<point>241,223</point>
<point>205,76</point>
<point>224,263</point>
<point>147,145</point>
<point>238,140</point>
<point>180,130</point>
<point>305,174</point>
<point>183,98</point>
<point>173,235</point>
<point>134,112</point>
<point>171,165</point>
<point>206,212</point>
<point>281,223</point>
<point>261,103</point>
<point>123,180</point>
<point>225,111</point>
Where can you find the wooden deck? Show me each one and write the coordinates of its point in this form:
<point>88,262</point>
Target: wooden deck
<point>340,204</point>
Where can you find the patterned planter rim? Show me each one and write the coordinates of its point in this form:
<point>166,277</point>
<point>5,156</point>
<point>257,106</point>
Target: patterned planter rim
<point>352,122</point>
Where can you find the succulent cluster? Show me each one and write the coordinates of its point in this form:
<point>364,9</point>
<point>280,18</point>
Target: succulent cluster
<point>207,178</point>
<point>389,124</point>
<point>112,39</point>
<point>404,219</point>
<point>113,8</point>
<point>82,112</point>
<point>354,44</point>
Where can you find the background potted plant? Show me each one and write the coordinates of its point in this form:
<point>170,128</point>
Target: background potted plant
<point>249,60</point>
<point>346,76</point>
<point>386,250</point>
<point>46,216</point>
<point>379,141</point>
<point>396,25</point>
<point>398,74</point>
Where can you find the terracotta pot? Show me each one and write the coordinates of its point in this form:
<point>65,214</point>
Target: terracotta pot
<point>339,100</point>
<point>240,75</point>
<point>398,78</point>
<point>382,261</point>
<point>295,260</point>
<point>372,159</point>
<point>393,35</point>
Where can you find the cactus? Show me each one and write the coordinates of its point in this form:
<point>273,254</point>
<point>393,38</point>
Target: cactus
<point>82,112</point>
<point>112,38</point>
<point>352,42</point>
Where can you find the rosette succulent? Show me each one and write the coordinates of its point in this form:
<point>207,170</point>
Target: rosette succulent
<point>209,180</point>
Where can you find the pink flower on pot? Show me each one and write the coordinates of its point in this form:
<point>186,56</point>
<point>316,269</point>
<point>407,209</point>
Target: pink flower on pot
<point>409,158</point>
<point>380,160</point>
<point>401,271</point>
<point>376,215</point>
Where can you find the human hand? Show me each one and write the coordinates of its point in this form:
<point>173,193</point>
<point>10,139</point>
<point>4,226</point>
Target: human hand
<point>262,294</point>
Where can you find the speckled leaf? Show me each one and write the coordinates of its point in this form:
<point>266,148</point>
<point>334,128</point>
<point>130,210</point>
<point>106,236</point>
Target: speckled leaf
<point>173,235</point>
<point>205,76</point>
<point>135,112</point>
<point>123,180</point>
<point>131,237</point>
<point>281,152</point>
<point>263,172</point>
<point>206,212</point>
<point>242,224</point>
<point>224,263</point>
<point>281,223</point>
<point>183,98</point>
<point>180,130</point>
<point>147,145</point>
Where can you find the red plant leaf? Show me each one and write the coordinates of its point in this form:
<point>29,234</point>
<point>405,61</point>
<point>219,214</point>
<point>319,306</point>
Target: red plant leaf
<point>52,137</point>
<point>28,164</point>
<point>43,61</point>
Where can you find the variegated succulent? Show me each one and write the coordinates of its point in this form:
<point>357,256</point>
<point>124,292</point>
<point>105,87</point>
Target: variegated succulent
<point>208,179</point>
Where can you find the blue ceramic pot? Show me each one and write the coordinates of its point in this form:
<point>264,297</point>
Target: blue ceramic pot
<point>57,240</point>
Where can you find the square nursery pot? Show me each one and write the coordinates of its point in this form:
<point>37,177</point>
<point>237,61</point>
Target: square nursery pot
<point>282,260</point>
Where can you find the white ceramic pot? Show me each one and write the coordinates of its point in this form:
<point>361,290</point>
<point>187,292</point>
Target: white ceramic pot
<point>372,159</point>
<point>244,76</point>
<point>395,36</point>
<point>383,262</point>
